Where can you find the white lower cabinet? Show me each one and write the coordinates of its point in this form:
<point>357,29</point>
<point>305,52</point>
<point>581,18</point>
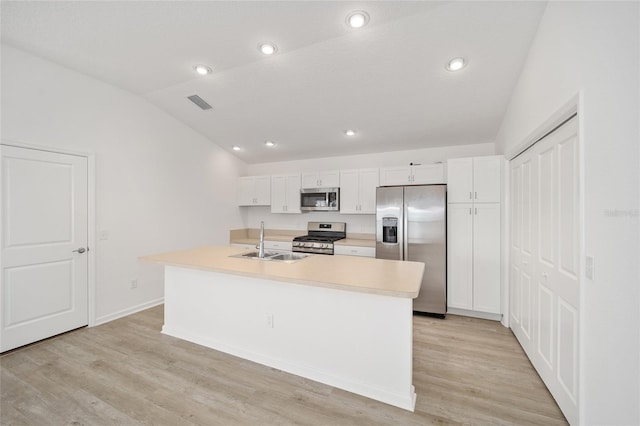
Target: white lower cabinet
<point>473,257</point>
<point>354,251</point>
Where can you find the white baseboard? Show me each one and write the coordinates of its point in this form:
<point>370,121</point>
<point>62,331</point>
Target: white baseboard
<point>475,314</point>
<point>406,401</point>
<point>123,313</point>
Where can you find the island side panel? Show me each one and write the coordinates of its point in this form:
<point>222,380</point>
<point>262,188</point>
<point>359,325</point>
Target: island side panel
<point>351,340</point>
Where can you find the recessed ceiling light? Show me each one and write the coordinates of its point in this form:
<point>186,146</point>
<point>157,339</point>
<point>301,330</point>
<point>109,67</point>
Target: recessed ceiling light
<point>236,148</point>
<point>350,132</point>
<point>270,143</point>
<point>357,19</point>
<point>268,48</point>
<point>203,69</point>
<point>456,64</point>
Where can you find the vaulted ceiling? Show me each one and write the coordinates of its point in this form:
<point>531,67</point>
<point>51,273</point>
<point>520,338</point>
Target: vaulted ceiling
<point>386,80</point>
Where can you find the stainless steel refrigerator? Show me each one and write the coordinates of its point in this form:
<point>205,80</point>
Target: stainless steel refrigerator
<point>411,225</point>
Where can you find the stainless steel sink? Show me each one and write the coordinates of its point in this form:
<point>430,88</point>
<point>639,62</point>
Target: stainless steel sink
<point>254,255</point>
<point>289,256</point>
<point>281,257</point>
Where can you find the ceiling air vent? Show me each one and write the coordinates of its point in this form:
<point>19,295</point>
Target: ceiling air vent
<point>199,101</point>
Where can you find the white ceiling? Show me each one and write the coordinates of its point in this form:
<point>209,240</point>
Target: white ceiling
<point>387,80</point>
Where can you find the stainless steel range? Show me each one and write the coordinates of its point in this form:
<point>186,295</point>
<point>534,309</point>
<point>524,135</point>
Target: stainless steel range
<point>320,237</point>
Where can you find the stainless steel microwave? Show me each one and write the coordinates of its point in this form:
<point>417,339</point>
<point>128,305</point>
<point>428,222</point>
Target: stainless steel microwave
<point>320,199</point>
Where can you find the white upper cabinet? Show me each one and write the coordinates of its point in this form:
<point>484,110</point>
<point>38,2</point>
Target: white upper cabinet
<point>254,191</point>
<point>326,179</point>
<point>486,179</point>
<point>358,191</point>
<point>285,193</point>
<point>423,174</point>
<point>390,176</point>
<point>427,174</point>
<point>475,180</point>
<point>460,180</point>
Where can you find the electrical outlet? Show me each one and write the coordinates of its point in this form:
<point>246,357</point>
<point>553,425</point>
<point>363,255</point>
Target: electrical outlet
<point>134,284</point>
<point>269,320</point>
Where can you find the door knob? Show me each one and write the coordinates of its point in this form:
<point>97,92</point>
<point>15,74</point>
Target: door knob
<point>80,250</point>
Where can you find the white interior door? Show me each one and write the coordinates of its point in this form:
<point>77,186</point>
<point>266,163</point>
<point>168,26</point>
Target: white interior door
<point>523,228</point>
<point>44,259</point>
<point>545,253</point>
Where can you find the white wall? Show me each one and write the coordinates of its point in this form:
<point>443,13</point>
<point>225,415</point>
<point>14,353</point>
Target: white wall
<point>160,186</point>
<point>591,49</point>
<point>355,223</point>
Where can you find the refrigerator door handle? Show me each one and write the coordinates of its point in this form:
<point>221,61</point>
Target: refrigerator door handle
<point>405,233</point>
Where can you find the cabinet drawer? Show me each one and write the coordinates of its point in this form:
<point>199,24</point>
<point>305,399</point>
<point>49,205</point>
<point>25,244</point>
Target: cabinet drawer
<point>244,246</point>
<point>355,251</point>
<point>278,245</point>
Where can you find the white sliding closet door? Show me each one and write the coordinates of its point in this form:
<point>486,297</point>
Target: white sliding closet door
<point>544,265</point>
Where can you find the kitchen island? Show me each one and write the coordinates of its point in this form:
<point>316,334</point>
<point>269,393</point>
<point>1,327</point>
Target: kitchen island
<point>340,320</point>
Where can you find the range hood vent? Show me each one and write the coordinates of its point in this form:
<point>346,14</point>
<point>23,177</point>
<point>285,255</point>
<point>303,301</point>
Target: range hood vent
<point>199,101</point>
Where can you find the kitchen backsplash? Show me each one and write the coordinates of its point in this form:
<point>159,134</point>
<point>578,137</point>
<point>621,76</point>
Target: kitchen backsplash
<point>361,224</point>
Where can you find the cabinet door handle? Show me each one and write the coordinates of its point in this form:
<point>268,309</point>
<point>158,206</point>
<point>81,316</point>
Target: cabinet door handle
<point>469,210</point>
<point>476,211</point>
<point>476,195</point>
<point>470,197</point>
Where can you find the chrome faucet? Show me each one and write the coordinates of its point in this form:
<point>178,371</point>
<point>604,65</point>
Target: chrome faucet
<point>261,243</point>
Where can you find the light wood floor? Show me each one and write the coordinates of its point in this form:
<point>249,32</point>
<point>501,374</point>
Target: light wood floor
<point>125,372</point>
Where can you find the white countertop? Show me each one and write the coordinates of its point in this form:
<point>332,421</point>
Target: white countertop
<point>351,273</point>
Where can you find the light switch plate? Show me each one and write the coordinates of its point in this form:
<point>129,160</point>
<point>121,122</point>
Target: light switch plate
<point>589,267</point>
